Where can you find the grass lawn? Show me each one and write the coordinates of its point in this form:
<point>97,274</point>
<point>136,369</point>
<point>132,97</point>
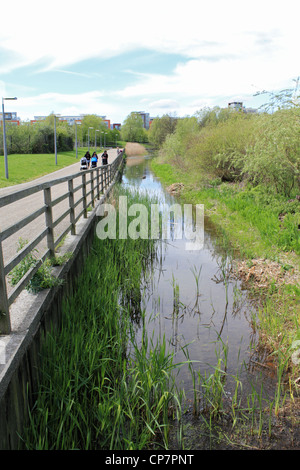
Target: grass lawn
<point>23,168</point>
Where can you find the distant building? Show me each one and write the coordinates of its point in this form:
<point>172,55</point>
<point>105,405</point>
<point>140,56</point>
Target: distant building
<point>71,119</point>
<point>238,106</point>
<point>250,110</point>
<point>145,117</point>
<point>12,118</point>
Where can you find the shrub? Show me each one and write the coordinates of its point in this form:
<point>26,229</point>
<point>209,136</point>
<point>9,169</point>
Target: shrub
<point>275,156</point>
<point>218,150</point>
<point>260,148</point>
<point>38,138</point>
<point>177,145</point>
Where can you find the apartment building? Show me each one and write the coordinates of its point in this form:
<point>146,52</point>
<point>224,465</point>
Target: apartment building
<point>145,117</point>
<point>12,118</point>
<point>72,119</point>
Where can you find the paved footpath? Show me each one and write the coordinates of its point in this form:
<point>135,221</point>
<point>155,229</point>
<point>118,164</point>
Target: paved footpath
<point>68,170</point>
<point>20,209</point>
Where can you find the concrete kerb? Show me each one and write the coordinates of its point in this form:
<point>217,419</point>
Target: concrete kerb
<point>30,313</point>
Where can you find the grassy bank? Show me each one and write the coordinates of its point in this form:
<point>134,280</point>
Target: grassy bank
<point>263,232</point>
<point>23,168</point>
<point>99,389</point>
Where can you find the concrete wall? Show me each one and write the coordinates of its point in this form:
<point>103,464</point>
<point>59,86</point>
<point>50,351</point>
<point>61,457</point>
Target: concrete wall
<point>19,375</point>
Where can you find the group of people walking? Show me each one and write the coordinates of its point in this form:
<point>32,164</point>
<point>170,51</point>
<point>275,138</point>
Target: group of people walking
<point>92,161</point>
<point>89,161</point>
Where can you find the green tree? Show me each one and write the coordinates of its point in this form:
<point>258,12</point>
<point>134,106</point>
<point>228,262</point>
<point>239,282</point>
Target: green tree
<point>114,136</point>
<point>160,128</point>
<point>43,139</point>
<point>94,121</point>
<point>26,132</point>
<point>176,145</point>
<point>212,116</point>
<point>133,129</point>
<point>39,137</point>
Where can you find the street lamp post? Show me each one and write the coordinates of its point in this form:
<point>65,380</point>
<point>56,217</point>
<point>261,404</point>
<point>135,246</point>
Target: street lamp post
<point>97,130</point>
<point>76,144</point>
<point>104,140</point>
<point>89,137</point>
<point>4,136</point>
<point>55,139</point>
<point>101,139</point>
<point>55,145</point>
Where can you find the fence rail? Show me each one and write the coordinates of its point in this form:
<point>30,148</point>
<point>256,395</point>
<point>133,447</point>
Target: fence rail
<point>94,182</point>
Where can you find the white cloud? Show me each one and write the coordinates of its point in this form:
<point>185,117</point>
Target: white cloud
<point>2,88</point>
<point>205,79</point>
<point>228,49</point>
<point>164,104</point>
<point>62,33</point>
<point>46,103</point>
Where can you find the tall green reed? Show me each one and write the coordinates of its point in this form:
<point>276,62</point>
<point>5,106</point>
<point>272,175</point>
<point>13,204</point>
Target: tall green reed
<point>99,388</point>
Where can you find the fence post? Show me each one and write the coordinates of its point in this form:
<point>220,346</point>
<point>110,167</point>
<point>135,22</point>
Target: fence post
<point>102,180</point>
<point>98,183</point>
<point>49,221</point>
<point>5,327</point>
<point>106,177</point>
<point>84,195</point>
<point>92,189</point>
<point>71,204</point>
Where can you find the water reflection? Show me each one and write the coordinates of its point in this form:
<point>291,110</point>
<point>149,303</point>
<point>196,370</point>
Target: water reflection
<point>191,297</point>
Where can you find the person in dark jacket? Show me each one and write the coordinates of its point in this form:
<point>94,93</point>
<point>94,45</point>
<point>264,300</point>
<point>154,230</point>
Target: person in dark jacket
<point>88,158</point>
<point>104,157</point>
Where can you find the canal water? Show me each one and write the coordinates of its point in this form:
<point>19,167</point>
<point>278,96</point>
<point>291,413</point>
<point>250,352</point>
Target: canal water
<point>193,299</point>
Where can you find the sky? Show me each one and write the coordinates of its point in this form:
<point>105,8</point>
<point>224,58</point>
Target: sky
<point>111,58</point>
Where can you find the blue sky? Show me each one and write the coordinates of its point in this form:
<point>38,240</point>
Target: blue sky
<point>72,57</point>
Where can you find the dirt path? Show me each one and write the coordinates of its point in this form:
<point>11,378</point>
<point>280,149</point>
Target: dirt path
<point>16,211</point>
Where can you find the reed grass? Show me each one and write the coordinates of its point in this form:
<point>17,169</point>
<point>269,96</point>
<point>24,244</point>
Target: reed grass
<point>99,388</point>
<point>134,149</point>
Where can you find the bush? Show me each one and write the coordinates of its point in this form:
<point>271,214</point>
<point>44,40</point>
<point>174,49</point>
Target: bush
<point>275,156</point>
<point>231,141</point>
<point>216,149</point>
<point>259,148</point>
<point>38,138</point>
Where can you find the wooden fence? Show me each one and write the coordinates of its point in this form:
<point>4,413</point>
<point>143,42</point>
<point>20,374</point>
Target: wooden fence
<point>94,182</point>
